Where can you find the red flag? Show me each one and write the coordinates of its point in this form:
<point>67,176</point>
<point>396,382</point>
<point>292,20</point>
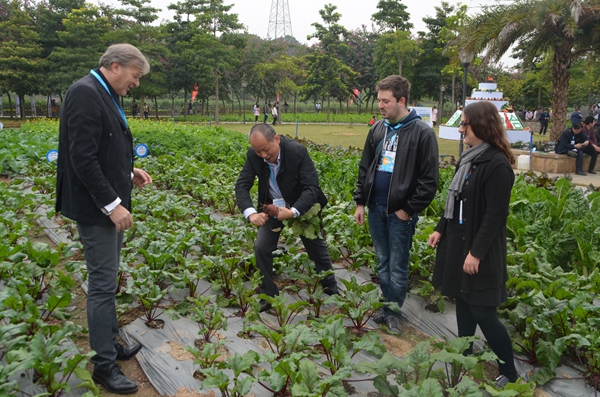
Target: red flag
<point>195,92</point>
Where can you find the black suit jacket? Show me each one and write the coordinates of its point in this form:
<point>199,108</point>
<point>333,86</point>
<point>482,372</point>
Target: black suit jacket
<point>95,154</point>
<point>297,178</point>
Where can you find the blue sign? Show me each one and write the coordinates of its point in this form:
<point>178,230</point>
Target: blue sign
<point>141,150</point>
<point>52,155</point>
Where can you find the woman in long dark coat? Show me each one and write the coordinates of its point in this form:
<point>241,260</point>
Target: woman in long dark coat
<point>471,234</point>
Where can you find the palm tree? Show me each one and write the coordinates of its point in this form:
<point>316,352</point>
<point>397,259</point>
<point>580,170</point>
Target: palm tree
<point>560,29</point>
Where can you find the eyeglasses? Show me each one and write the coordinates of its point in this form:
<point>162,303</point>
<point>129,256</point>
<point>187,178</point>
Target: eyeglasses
<point>463,124</point>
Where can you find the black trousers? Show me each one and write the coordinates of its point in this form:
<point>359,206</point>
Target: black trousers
<point>469,316</point>
<point>102,250</point>
<point>589,150</point>
<point>266,243</point>
<point>543,126</point>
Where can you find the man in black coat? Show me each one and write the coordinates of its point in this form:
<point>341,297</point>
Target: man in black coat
<point>288,179</point>
<point>574,142</point>
<point>95,175</point>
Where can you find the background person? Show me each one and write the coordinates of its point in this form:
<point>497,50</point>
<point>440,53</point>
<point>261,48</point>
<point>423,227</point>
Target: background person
<point>471,234</point>
<point>397,179</point>
<point>95,175</point>
<point>574,142</point>
<point>256,111</point>
<point>544,116</point>
<point>288,179</point>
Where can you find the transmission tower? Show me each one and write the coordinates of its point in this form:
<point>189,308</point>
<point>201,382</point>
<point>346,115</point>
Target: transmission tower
<point>280,24</point>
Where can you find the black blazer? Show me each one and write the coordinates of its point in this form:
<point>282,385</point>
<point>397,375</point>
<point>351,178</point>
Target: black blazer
<point>297,178</point>
<point>95,154</point>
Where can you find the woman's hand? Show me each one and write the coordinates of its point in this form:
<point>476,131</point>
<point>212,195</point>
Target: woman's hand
<point>471,265</point>
<point>434,239</point>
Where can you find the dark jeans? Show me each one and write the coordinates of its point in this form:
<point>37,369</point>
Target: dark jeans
<point>392,239</point>
<point>589,150</point>
<point>469,316</point>
<point>543,126</point>
<point>266,118</point>
<point>266,243</point>
<point>102,249</point>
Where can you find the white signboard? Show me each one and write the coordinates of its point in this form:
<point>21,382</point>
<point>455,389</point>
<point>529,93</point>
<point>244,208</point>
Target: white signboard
<point>425,114</point>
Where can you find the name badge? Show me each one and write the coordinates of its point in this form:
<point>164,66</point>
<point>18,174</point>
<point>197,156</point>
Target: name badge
<point>279,202</point>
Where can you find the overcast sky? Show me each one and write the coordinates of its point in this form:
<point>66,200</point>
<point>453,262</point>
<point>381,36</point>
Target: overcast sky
<point>254,14</point>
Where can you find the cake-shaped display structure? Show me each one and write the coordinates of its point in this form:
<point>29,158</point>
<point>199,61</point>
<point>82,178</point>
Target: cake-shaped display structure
<point>489,92</point>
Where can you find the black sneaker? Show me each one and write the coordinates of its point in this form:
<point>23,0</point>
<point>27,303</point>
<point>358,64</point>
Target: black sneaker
<point>572,153</point>
<point>581,173</point>
<point>264,306</point>
<point>592,172</point>
<point>393,324</point>
<point>502,380</point>
<point>378,316</point>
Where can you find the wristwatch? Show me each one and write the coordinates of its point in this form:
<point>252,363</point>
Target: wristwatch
<point>295,212</point>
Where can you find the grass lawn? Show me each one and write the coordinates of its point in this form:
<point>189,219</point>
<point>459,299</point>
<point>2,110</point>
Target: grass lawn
<point>346,135</point>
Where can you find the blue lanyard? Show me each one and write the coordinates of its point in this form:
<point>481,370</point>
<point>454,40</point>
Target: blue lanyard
<point>93,72</point>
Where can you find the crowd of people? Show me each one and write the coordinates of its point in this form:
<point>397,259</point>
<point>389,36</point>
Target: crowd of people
<point>397,179</point>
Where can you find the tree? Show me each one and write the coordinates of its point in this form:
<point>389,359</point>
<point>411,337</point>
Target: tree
<point>392,16</point>
<point>326,74</point>
<point>81,46</point>
<point>285,74</point>
<point>395,48</point>
<point>21,62</point>
<point>224,27</point>
<point>562,29</point>
<point>428,69</point>
<point>361,59</point>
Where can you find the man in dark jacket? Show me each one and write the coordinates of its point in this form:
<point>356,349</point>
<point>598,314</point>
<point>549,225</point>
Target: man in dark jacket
<point>544,116</point>
<point>287,178</point>
<point>95,174</point>
<point>574,142</point>
<point>397,179</point>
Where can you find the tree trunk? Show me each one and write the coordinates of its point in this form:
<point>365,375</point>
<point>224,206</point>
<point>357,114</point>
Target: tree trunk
<point>141,107</point>
<point>185,103</point>
<point>216,97</point>
<point>295,99</point>
<point>10,108</point>
<point>156,107</point>
<point>539,104</point>
<point>328,105</point>
<point>560,77</point>
<point>399,67</point>
<point>22,106</point>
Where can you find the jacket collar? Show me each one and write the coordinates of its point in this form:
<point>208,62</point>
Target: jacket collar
<point>111,99</point>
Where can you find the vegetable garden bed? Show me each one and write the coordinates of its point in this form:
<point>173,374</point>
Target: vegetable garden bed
<point>177,245</point>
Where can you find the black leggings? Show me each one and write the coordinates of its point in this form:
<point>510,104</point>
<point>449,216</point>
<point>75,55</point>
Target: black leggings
<point>469,316</point>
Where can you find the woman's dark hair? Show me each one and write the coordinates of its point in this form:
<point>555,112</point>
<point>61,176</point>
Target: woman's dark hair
<point>486,124</point>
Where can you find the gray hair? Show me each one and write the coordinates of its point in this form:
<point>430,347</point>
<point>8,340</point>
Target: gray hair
<point>265,129</point>
<point>125,55</point>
